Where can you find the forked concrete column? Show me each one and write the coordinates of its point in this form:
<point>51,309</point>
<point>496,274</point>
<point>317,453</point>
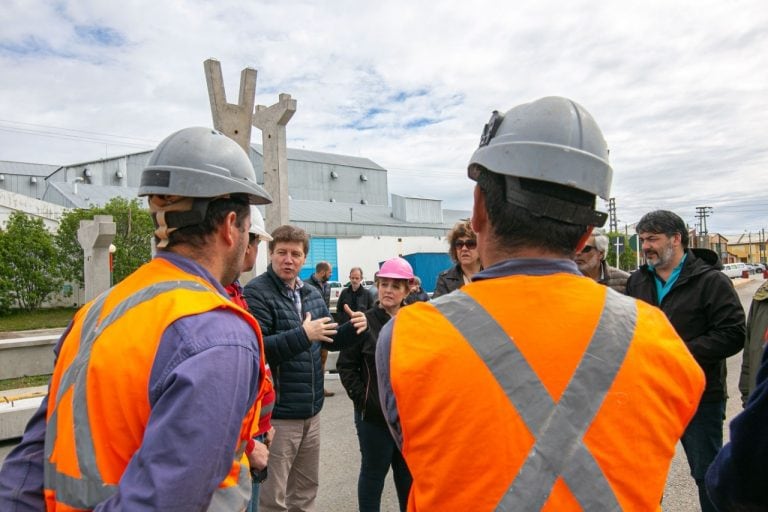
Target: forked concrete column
<point>271,121</point>
<point>234,120</point>
<point>94,237</point>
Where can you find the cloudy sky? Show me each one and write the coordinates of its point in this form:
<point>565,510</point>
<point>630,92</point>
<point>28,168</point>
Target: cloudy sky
<point>680,89</point>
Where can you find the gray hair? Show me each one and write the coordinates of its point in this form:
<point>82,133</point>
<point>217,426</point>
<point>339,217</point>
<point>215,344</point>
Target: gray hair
<point>601,240</point>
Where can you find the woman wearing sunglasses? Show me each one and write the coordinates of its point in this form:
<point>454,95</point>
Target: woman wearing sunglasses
<point>463,250</point>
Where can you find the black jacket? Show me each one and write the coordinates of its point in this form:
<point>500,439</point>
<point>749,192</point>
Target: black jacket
<point>295,361</point>
<point>357,369</point>
<point>449,280</point>
<point>705,311</point>
<point>323,288</point>
<point>360,300</point>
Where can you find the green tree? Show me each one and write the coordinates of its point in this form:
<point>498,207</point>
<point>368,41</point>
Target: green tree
<point>134,232</point>
<point>627,259</point>
<point>30,270</point>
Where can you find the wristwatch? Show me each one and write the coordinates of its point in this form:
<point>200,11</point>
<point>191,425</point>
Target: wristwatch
<point>259,476</point>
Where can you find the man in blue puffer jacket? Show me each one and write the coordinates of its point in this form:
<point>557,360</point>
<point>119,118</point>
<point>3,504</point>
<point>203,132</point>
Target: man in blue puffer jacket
<point>295,323</point>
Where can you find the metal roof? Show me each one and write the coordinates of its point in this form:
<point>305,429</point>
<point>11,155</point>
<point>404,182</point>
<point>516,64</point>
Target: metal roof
<point>26,168</point>
<point>88,195</point>
<point>352,219</point>
<point>111,158</point>
<point>326,158</point>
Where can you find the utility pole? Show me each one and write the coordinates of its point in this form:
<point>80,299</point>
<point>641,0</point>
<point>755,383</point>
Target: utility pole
<point>613,221</point>
<point>702,212</point>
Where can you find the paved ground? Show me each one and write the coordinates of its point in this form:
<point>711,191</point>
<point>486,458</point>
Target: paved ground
<point>340,458</point>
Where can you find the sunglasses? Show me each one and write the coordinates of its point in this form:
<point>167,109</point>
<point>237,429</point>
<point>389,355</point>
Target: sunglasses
<point>469,244</point>
<point>587,249</point>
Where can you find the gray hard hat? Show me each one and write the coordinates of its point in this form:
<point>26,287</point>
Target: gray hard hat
<point>552,139</point>
<point>201,163</point>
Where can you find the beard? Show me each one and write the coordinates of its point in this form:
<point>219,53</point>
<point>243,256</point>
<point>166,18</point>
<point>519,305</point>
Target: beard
<point>663,257</point>
<point>590,266</point>
<point>233,262</point>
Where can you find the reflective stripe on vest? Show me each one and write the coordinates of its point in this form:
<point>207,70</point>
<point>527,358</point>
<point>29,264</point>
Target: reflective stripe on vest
<point>89,490</point>
<point>559,427</point>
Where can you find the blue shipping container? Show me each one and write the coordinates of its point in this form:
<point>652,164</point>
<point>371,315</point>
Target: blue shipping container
<point>427,265</point>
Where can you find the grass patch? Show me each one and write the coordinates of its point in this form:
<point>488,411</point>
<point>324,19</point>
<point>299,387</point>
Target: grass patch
<point>40,319</point>
<point>28,381</point>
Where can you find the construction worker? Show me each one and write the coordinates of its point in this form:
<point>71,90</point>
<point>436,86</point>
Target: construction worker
<point>154,393</point>
<point>534,387</point>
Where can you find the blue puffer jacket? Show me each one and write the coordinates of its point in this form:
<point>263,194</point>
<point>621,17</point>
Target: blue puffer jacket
<point>294,360</point>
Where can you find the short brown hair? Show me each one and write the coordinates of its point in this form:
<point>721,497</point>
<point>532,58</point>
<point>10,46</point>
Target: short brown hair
<point>288,233</point>
<point>462,229</point>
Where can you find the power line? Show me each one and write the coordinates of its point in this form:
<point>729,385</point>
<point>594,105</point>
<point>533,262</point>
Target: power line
<point>75,138</point>
<point>100,134</point>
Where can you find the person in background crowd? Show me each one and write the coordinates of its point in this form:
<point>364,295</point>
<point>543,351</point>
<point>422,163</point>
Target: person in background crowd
<point>357,370</point>
<point>295,322</point>
<point>264,434</point>
<point>702,305</point>
<point>463,250</point>
<point>319,280</point>
<point>754,342</point>
<point>157,382</point>
<point>417,293</point>
<point>355,296</point>
<point>487,415</point>
<point>736,478</point>
<point>591,262</point>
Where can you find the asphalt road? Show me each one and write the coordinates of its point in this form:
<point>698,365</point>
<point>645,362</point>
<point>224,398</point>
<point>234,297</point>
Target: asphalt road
<point>340,458</point>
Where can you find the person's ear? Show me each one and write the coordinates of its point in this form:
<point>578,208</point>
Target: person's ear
<point>229,229</point>
<point>479,218</point>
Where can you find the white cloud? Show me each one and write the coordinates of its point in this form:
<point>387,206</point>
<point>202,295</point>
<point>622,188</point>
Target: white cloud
<point>679,88</point>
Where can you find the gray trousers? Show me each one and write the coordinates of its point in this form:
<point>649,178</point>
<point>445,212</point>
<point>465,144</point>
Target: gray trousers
<point>294,467</point>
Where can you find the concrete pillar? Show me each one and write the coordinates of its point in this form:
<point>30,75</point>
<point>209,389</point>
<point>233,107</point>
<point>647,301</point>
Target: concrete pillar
<point>94,237</point>
<point>271,121</point>
<point>234,120</point>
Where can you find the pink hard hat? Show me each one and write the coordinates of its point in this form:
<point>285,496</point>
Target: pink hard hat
<point>396,268</point>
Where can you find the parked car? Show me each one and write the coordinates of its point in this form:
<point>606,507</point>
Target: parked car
<point>734,270</point>
<point>756,268</point>
<point>336,288</point>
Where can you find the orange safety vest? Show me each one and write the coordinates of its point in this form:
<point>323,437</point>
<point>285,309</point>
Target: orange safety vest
<point>539,393</point>
<point>101,380</point>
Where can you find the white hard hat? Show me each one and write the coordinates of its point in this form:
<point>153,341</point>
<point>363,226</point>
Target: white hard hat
<point>257,225</point>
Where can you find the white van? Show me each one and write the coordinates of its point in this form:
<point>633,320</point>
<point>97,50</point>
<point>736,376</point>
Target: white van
<point>734,270</point>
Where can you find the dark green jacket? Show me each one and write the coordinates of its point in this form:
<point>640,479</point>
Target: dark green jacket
<point>757,335</point>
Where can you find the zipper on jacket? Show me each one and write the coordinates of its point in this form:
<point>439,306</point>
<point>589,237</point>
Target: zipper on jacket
<point>367,390</point>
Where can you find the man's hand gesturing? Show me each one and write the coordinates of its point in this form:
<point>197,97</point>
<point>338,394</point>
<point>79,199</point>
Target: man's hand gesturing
<point>321,329</point>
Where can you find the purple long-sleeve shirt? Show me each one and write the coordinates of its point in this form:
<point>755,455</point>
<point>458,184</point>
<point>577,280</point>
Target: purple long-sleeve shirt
<point>203,381</point>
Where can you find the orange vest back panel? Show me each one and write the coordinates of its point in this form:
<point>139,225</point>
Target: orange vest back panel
<point>464,441</point>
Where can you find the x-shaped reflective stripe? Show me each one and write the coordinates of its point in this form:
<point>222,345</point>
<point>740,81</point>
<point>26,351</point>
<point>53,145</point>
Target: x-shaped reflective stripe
<point>90,489</point>
<point>559,427</point>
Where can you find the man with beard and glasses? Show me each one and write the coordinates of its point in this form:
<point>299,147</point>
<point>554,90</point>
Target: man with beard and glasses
<point>591,262</point>
<point>158,381</point>
<point>702,305</point>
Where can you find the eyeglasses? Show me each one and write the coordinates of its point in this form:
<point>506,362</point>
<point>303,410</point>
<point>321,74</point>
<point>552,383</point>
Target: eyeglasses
<point>469,244</point>
<point>586,249</point>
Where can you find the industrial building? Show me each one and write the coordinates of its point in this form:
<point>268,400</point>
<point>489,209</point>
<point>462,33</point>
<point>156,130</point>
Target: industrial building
<point>342,201</point>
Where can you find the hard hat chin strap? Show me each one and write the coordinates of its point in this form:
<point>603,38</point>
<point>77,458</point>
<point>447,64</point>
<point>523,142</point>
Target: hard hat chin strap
<point>543,205</point>
<point>170,213</point>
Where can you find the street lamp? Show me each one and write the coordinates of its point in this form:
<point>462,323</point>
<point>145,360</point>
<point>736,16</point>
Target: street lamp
<point>112,250</point>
